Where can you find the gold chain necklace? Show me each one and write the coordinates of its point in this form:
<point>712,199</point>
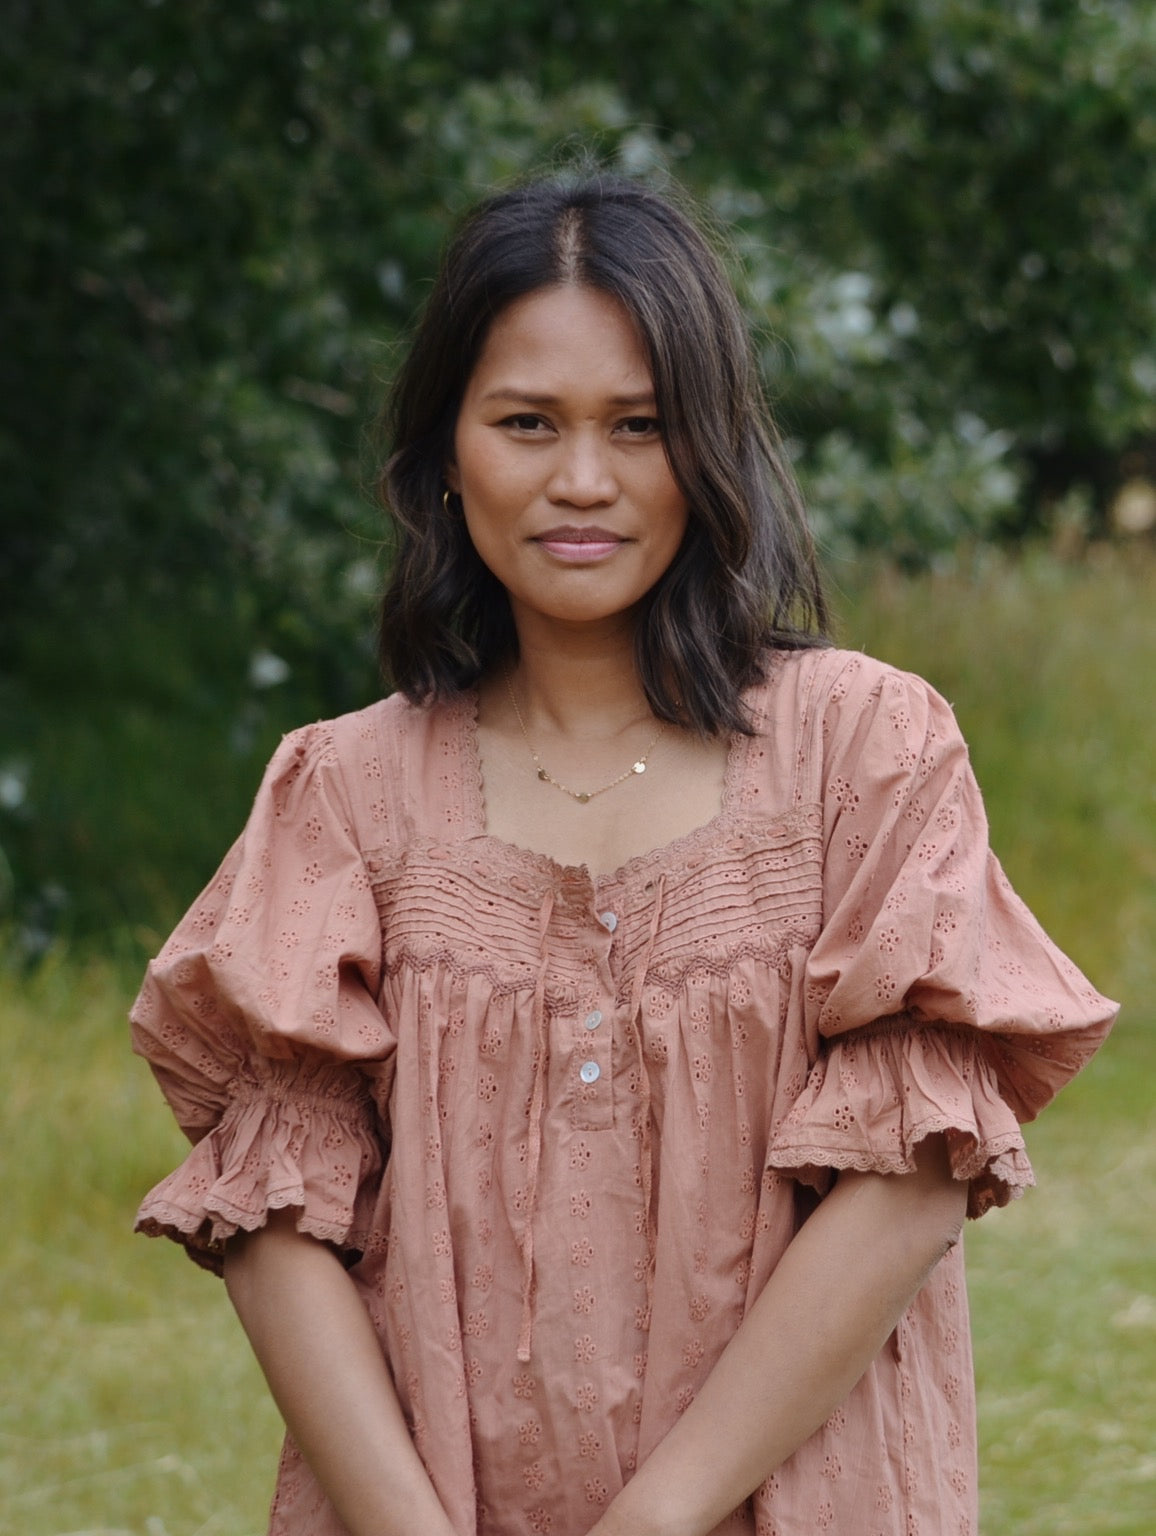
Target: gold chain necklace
<point>581,795</point>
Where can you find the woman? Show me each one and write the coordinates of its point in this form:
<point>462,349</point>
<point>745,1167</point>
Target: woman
<point>592,1050</point>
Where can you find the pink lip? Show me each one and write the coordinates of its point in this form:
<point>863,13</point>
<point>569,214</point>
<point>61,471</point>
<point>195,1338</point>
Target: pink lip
<point>579,545</point>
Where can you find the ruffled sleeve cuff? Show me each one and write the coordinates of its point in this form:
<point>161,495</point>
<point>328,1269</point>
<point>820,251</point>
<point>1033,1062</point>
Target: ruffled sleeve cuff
<point>312,1145</point>
<point>873,1096</point>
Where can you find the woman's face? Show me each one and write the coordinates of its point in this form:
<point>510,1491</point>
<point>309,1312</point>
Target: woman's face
<point>559,460</point>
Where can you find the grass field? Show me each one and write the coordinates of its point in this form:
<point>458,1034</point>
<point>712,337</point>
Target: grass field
<point>130,1406</point>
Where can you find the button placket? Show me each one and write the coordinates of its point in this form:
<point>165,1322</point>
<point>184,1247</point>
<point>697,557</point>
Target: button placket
<point>593,1037</point>
<point>592,1064</point>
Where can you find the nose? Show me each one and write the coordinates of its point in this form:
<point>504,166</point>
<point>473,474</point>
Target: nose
<point>583,473</point>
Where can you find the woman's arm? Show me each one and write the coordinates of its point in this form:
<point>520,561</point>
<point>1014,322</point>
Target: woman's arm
<point>313,1337</point>
<point>824,1314</point>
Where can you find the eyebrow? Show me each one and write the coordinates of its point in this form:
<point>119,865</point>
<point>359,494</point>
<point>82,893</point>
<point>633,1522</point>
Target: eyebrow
<point>532,397</point>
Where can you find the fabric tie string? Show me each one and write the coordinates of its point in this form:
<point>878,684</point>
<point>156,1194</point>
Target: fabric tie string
<point>534,1131</point>
<point>646,1148</point>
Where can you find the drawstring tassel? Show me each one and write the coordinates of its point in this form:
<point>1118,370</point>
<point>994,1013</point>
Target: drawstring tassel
<point>534,1131</point>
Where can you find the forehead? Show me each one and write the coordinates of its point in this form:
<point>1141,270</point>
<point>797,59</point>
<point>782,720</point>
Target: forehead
<point>568,335</point>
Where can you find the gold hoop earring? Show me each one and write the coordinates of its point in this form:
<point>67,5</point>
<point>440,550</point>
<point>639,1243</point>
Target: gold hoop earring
<point>446,502</point>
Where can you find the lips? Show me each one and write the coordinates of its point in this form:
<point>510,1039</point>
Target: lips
<point>579,545</point>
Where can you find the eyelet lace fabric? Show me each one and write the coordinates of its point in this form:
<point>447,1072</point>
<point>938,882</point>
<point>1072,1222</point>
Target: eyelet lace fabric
<point>563,1154</point>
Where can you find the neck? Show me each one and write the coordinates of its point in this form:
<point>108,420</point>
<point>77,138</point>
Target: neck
<point>579,683</point>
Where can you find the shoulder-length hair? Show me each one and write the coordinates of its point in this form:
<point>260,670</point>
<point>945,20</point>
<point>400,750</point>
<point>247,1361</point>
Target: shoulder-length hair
<point>745,576</point>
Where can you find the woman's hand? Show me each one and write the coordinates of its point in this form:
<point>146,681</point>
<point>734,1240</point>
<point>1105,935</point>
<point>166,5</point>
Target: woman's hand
<point>824,1314</point>
<point>315,1342</point>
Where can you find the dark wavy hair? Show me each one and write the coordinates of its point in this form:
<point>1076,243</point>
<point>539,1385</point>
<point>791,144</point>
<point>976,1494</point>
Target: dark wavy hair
<point>745,577</point>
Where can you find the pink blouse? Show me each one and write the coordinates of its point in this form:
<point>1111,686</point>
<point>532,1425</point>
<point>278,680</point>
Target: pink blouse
<point>564,1127</point>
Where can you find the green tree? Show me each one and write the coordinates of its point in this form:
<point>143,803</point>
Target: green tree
<point>218,220</point>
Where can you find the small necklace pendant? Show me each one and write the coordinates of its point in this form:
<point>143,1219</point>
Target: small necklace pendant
<point>582,796</point>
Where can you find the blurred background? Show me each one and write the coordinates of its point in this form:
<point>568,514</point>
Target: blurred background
<point>217,223</point>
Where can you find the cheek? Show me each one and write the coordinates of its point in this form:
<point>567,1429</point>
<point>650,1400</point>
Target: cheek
<point>484,531</point>
<point>492,503</point>
<point>486,472</point>
<point>675,511</point>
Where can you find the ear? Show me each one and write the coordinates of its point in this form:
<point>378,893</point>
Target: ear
<point>452,478</point>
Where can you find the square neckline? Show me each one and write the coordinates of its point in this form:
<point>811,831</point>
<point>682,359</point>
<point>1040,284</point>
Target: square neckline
<point>675,849</point>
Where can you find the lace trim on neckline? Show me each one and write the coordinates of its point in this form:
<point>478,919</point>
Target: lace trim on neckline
<point>678,853</point>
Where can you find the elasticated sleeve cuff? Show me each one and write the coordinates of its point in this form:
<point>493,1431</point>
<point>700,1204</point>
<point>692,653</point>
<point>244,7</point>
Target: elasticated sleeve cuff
<point>872,1097</point>
<point>297,1140</point>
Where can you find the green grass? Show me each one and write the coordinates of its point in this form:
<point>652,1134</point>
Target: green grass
<point>1063,1289</point>
<point>131,1406</point>
<point>1051,669</point>
<point>131,1403</point>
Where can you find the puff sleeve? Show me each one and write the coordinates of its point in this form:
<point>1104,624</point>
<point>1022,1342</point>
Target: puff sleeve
<point>260,1023</point>
<point>933,1000</point>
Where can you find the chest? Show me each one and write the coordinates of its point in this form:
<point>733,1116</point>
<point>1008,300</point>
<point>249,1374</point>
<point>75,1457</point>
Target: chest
<point>627,814</point>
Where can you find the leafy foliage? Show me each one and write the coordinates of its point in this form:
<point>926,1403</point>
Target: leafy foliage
<point>219,219</point>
